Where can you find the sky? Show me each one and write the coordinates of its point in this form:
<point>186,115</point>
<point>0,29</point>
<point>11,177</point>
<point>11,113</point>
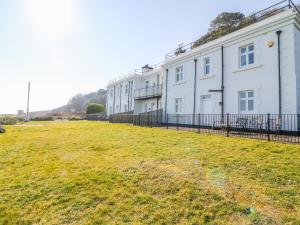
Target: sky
<point>66,47</point>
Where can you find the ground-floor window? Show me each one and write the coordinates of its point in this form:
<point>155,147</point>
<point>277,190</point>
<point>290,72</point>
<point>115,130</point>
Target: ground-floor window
<point>178,105</point>
<point>146,107</point>
<point>246,101</point>
<point>152,106</point>
<point>125,108</point>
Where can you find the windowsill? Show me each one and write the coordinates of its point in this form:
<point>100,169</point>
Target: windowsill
<point>207,77</point>
<point>246,68</point>
<point>179,83</point>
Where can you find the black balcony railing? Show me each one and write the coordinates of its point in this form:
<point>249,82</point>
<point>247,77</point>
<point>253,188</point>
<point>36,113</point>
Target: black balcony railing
<point>271,127</point>
<point>148,92</point>
<point>256,17</point>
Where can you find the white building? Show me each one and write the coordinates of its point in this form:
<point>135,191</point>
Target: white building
<point>254,70</point>
<point>137,92</point>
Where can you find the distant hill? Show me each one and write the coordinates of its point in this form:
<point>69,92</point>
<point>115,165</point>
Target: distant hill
<point>79,102</point>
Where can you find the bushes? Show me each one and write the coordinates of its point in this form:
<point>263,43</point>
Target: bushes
<point>10,120</point>
<point>94,108</point>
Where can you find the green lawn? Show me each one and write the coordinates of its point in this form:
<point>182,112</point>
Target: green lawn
<point>100,173</point>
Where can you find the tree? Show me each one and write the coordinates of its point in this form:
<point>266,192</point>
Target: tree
<point>94,108</point>
<point>223,24</point>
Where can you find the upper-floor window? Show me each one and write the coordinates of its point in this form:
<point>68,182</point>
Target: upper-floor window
<point>126,89</point>
<point>120,90</point>
<point>247,55</point>
<point>179,74</point>
<point>246,101</point>
<point>111,93</point>
<point>146,84</point>
<point>178,105</point>
<point>207,66</point>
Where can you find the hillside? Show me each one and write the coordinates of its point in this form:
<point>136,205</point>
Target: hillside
<point>78,103</point>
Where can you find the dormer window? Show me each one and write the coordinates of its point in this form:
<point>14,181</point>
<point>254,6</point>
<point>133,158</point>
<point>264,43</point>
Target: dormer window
<point>247,55</point>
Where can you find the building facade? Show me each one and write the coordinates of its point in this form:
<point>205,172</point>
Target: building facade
<point>137,92</point>
<point>254,70</point>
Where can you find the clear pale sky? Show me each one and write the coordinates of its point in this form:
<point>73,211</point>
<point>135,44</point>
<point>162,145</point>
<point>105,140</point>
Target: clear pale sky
<point>65,47</point>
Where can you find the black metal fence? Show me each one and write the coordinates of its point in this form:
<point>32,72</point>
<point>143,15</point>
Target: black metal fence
<point>271,127</point>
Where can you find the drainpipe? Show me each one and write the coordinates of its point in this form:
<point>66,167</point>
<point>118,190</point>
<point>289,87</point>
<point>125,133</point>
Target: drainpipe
<point>195,86</point>
<point>128,90</point>
<point>114,99</point>
<point>167,74</point>
<point>120,98</point>
<point>279,72</point>
<point>222,87</point>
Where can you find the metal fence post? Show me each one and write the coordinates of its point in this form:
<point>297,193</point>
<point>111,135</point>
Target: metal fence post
<point>227,124</point>
<point>269,130</point>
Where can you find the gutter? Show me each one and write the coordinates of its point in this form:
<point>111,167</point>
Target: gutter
<point>128,89</point>
<point>167,73</point>
<point>195,86</point>
<point>279,73</point>
<point>222,87</point>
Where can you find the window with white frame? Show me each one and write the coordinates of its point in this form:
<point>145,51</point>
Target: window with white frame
<point>146,84</point>
<point>146,107</point>
<point>110,110</point>
<point>111,93</point>
<point>178,105</point>
<point>207,66</point>
<point>126,89</point>
<point>179,74</point>
<point>125,108</point>
<point>247,55</point>
<point>120,91</point>
<point>246,101</point>
<point>152,106</point>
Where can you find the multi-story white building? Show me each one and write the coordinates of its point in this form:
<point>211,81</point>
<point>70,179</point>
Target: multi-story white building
<point>137,92</point>
<point>254,70</point>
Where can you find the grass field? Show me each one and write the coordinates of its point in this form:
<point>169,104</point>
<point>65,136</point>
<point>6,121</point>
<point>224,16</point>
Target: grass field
<point>100,173</point>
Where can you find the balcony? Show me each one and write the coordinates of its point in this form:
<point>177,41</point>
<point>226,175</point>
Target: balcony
<point>147,93</point>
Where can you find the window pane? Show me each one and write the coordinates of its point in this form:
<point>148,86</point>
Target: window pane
<point>243,60</point>
<point>242,94</point>
<point>242,105</point>
<point>243,50</point>
<point>250,94</point>
<point>207,70</point>
<point>251,58</point>
<point>250,105</point>
<point>251,48</point>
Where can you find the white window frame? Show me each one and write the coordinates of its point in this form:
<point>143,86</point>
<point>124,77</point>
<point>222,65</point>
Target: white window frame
<point>146,107</point>
<point>247,55</point>
<point>147,84</point>
<point>247,100</point>
<point>207,66</point>
<point>178,105</point>
<point>179,75</point>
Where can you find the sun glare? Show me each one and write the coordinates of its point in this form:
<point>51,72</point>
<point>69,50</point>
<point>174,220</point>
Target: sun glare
<point>51,17</point>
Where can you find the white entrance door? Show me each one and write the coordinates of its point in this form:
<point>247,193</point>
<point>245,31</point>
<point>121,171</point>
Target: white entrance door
<point>206,106</point>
